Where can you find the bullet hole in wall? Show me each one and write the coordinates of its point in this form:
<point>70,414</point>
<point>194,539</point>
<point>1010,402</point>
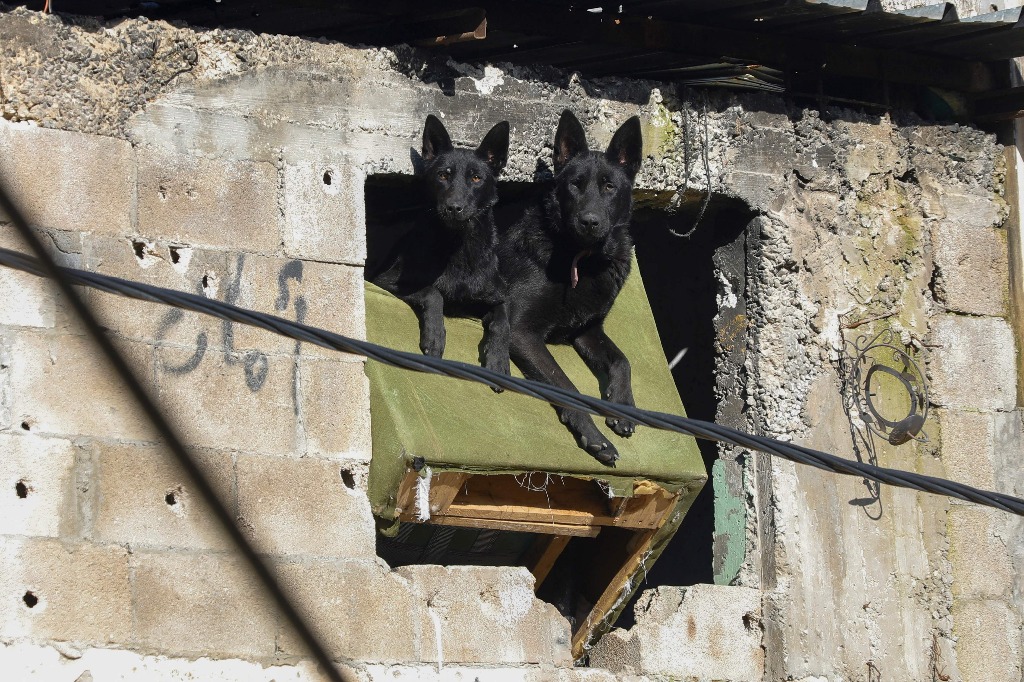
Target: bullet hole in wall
<point>26,425</point>
<point>328,177</point>
<point>348,479</point>
<point>30,599</point>
<point>171,498</point>
<point>21,489</point>
<point>175,255</point>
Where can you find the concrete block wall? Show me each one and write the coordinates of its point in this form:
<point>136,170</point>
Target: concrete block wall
<point>239,176</point>
<point>106,543</point>
<point>111,561</point>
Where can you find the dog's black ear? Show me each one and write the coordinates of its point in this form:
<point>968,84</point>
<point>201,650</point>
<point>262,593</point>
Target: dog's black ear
<point>494,148</point>
<point>436,140</point>
<point>570,140</point>
<point>627,147</point>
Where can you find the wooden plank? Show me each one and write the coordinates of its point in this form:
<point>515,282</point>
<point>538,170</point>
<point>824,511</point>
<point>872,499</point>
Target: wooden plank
<point>638,547</point>
<point>444,487</point>
<point>518,526</point>
<point>648,508</point>
<point>504,500</point>
<point>542,555</point>
<point>565,501</point>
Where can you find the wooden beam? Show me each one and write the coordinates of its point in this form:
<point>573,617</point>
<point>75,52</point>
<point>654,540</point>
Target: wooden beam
<point>542,555</point>
<point>566,500</point>
<point>617,586</point>
<point>518,526</point>
<point>444,487</point>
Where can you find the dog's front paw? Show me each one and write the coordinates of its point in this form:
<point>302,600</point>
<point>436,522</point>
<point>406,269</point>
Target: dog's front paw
<point>601,450</point>
<point>432,344</point>
<point>500,366</point>
<point>622,427</point>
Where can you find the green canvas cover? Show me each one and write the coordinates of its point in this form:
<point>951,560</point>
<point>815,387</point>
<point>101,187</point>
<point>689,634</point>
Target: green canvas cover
<point>457,425</point>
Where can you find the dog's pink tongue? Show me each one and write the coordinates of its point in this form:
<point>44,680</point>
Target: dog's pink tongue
<point>574,275</point>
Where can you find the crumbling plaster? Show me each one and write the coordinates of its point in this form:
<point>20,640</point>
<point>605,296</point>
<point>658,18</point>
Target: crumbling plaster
<point>857,216</point>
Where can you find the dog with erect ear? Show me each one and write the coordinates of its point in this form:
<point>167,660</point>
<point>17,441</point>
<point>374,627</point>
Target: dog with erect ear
<point>564,260</point>
<point>447,262</point>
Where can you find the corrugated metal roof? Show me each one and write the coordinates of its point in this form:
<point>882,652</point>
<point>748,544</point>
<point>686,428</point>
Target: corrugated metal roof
<point>769,44</point>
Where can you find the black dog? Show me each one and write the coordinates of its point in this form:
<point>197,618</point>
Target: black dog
<point>448,261</point>
<point>565,261</point>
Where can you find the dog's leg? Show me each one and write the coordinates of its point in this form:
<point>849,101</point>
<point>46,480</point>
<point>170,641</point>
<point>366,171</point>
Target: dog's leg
<point>605,359</point>
<point>496,341</point>
<point>532,356</point>
<point>428,304</point>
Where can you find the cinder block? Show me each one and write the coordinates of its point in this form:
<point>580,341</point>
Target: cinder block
<point>487,615</point>
<point>208,202</point>
<point>461,673</point>
<point>60,591</point>
<point>320,294</point>
<point>81,664</point>
<point>69,181</point>
<point>302,506</point>
<point>982,565</point>
<point>324,215</point>
<point>1007,446</point>
<point>967,447</point>
<point>202,605</point>
<point>974,210</point>
<point>360,610</point>
<point>333,299</point>
<point>972,268</point>
<point>335,407</point>
<point>974,363</point>
<point>871,151</point>
<point>29,301</point>
<point>172,266</point>
<point>458,673</point>
<point>988,641</point>
<point>61,384</point>
<point>230,401</point>
<point>144,498</point>
<point>36,479</point>
<point>702,632</point>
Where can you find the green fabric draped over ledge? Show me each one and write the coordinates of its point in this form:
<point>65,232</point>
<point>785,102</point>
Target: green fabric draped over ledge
<point>457,425</point>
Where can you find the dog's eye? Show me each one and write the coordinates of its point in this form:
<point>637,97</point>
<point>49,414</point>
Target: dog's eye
<point>476,178</point>
<point>608,187</point>
<point>443,174</point>
<point>578,183</point>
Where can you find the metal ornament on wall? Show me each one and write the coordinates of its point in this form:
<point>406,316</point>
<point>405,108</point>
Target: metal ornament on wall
<point>888,388</point>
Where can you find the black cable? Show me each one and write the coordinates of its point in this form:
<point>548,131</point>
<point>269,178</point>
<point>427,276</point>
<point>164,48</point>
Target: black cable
<point>545,392</point>
<point>45,267</point>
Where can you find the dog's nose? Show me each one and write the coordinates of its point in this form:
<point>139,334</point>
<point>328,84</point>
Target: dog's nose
<point>590,222</point>
<point>456,209</point>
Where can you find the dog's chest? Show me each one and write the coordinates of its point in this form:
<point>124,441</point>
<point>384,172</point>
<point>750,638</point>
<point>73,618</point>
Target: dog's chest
<point>571,309</point>
<point>465,280</point>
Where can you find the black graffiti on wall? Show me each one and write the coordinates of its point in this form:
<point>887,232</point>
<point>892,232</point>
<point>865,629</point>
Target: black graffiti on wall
<point>254,362</point>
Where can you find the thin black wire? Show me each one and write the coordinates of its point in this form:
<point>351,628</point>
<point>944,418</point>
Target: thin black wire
<point>545,392</point>
<point>44,266</point>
